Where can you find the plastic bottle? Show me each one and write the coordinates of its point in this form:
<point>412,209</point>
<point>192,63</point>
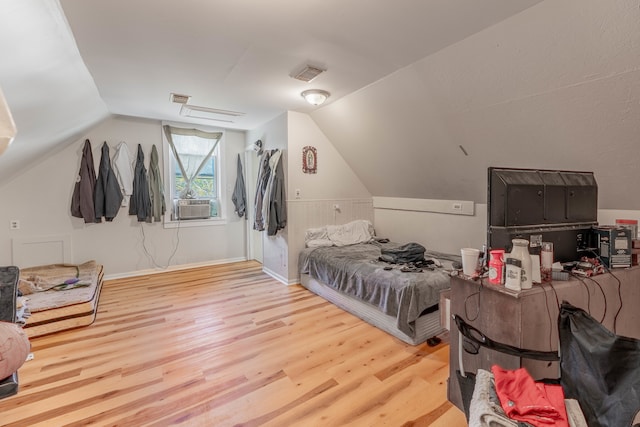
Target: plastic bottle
<point>546,261</point>
<point>513,274</point>
<point>521,251</point>
<point>496,266</point>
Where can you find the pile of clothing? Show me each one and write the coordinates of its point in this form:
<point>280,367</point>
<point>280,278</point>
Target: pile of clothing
<point>511,398</point>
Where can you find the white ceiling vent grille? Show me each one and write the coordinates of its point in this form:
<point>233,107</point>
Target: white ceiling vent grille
<point>207,113</point>
<point>308,73</point>
<point>179,99</point>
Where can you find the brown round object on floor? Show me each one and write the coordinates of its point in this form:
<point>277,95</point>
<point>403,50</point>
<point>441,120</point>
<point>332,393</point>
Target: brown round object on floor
<point>14,348</point>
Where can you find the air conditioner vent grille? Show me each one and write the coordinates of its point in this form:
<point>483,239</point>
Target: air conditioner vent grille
<point>193,209</point>
<point>308,73</point>
<point>179,99</point>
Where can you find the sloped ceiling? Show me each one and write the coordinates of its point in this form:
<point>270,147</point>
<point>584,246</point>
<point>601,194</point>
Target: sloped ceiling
<point>68,64</point>
<point>556,86</point>
<point>51,94</point>
<point>426,94</point>
<point>240,55</point>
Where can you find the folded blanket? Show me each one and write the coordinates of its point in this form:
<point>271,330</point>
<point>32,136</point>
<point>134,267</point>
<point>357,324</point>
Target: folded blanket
<point>56,277</point>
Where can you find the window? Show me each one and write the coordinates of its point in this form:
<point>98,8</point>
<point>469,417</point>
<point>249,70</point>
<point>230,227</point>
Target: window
<point>194,172</point>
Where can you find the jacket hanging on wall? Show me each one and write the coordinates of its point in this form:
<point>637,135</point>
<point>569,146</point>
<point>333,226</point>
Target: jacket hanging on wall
<point>108,196</point>
<point>123,168</point>
<point>158,206</point>
<point>82,200</point>
<point>140,204</point>
<point>268,189</point>
<point>239,197</point>
<point>276,208</point>
<point>261,187</point>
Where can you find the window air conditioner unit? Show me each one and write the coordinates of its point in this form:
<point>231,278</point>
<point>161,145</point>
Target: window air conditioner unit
<point>193,209</point>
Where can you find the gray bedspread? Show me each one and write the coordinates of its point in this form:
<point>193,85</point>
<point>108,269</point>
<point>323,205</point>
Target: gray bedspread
<point>356,271</point>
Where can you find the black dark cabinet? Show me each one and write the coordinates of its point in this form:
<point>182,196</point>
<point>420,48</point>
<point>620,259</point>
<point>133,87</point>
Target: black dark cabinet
<point>542,205</point>
<point>8,296</point>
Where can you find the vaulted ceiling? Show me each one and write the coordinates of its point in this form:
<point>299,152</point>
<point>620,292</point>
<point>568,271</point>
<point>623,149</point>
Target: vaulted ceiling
<point>556,86</point>
<point>425,94</point>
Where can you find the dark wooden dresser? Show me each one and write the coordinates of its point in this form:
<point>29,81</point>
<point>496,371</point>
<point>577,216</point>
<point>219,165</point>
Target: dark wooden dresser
<point>529,319</point>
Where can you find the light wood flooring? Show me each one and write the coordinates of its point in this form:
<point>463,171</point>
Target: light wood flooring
<point>227,346</point>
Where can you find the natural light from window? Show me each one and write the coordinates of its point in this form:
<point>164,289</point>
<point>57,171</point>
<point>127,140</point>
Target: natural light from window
<point>194,172</point>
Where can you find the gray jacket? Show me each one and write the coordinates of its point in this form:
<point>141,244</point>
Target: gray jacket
<point>239,197</point>
<point>261,187</point>
<point>277,219</point>
<point>108,196</point>
<point>158,206</point>
<point>140,203</point>
<point>82,203</point>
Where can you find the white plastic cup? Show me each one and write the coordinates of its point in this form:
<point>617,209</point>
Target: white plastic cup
<point>470,258</point>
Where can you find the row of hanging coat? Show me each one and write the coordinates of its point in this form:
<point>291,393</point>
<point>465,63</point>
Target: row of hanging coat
<point>117,186</point>
<point>270,199</point>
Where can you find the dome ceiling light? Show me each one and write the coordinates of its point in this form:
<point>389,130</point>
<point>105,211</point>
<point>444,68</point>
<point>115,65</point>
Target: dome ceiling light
<point>315,96</point>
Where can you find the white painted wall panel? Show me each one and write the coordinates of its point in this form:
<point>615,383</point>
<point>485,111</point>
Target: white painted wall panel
<point>448,233</point>
<point>335,183</point>
<point>41,200</point>
<point>438,231</point>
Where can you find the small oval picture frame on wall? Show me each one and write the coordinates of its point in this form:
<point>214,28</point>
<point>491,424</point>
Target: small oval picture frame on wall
<point>309,159</point>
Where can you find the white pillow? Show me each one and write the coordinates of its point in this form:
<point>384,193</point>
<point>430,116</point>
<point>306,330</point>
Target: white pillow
<point>319,243</point>
<point>315,234</point>
<point>358,231</point>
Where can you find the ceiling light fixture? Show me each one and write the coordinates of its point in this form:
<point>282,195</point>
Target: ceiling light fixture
<point>315,96</point>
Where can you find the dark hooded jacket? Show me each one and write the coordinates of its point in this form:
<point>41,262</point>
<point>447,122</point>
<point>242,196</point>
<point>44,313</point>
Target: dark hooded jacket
<point>239,197</point>
<point>140,203</point>
<point>82,200</point>
<point>261,188</point>
<point>108,195</point>
<point>158,206</point>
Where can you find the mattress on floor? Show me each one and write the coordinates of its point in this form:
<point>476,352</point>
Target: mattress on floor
<point>64,306</point>
<point>403,292</point>
<point>426,326</point>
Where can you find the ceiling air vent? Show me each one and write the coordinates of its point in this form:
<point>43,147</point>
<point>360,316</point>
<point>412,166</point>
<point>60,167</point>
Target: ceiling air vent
<point>207,113</point>
<point>308,73</point>
<point>179,99</point>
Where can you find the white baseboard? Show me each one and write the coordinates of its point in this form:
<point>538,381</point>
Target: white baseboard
<point>276,276</point>
<point>172,268</point>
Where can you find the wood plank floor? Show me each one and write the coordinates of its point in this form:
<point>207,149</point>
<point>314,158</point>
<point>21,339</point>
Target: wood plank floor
<point>227,346</point>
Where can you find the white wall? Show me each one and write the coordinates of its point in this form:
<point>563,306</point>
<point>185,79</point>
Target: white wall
<point>334,178</point>
<point>273,135</point>
<point>41,197</point>
<point>333,184</point>
<point>448,233</point>
<point>553,87</point>
<point>436,231</point>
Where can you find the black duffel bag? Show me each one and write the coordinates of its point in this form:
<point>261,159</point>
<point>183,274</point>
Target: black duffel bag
<point>599,369</point>
<point>411,252</point>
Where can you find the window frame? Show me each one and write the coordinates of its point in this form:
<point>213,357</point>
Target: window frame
<point>169,183</point>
